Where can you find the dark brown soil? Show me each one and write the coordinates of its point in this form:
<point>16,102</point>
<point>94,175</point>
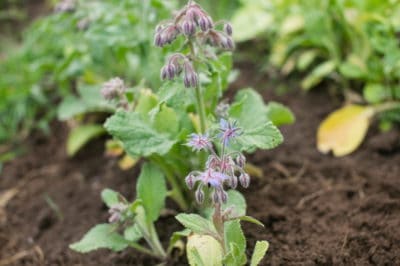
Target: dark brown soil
<point>317,210</point>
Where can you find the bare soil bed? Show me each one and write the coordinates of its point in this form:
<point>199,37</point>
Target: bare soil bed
<point>317,210</point>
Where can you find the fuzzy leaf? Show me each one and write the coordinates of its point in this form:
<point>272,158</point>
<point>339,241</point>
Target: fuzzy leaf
<point>344,130</point>
<point>235,256</point>
<point>237,201</point>
<point>138,137</point>
<point>81,135</point>
<point>259,252</point>
<point>166,120</point>
<point>196,223</point>
<point>132,233</point>
<point>100,236</point>
<point>234,235</point>
<point>203,250</point>
<point>110,197</point>
<point>152,190</point>
<point>266,136</point>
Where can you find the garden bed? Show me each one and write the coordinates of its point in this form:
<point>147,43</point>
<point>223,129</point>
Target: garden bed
<point>317,210</point>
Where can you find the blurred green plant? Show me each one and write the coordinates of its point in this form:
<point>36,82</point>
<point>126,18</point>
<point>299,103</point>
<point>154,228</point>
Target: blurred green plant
<point>69,51</point>
<point>352,43</point>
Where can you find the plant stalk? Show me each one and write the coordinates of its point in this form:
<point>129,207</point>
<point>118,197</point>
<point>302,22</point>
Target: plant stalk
<point>218,221</point>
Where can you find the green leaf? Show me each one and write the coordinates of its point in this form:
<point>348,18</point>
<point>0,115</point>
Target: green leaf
<point>235,256</point>
<point>279,114</point>
<point>132,233</point>
<point>375,92</point>
<point>266,136</point>
<point>237,201</point>
<point>166,120</point>
<point>234,235</point>
<point>176,238</point>
<point>318,74</point>
<point>259,252</point>
<point>196,223</point>
<point>258,130</point>
<point>137,136</point>
<point>147,101</point>
<point>250,21</point>
<point>110,197</point>
<point>81,135</point>
<point>100,236</point>
<point>251,220</point>
<point>203,250</point>
<point>306,59</point>
<point>152,190</point>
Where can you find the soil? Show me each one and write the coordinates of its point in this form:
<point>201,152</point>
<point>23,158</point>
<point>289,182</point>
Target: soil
<point>317,209</point>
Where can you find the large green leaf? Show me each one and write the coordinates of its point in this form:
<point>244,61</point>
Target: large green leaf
<point>152,190</point>
<point>137,136</point>
<point>234,235</point>
<point>100,236</point>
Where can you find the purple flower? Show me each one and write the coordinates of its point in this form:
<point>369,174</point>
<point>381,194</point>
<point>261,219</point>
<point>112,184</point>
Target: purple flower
<point>199,142</point>
<point>228,131</point>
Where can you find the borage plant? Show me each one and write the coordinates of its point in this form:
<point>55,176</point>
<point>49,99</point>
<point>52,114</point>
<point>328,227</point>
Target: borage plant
<point>155,125</point>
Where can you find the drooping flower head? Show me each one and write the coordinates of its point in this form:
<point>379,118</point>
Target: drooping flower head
<point>113,88</point>
<point>221,169</point>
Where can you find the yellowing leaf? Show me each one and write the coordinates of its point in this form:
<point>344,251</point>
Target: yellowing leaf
<point>344,130</point>
<point>127,162</point>
<point>203,250</point>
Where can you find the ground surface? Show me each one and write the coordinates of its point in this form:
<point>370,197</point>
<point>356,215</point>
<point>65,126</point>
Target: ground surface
<point>318,210</point>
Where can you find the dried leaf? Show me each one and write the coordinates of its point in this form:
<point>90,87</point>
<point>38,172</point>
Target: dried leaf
<point>344,130</point>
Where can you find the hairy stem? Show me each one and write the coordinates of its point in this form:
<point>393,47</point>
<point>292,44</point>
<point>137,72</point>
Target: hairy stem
<point>386,106</point>
<point>218,221</point>
<point>201,109</point>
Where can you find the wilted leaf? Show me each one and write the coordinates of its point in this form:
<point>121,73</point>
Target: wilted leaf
<point>127,162</point>
<point>344,130</point>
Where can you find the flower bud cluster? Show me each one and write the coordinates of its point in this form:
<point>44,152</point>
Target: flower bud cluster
<point>113,89</point>
<point>199,29</point>
<point>177,64</point>
<point>65,6</point>
<point>116,212</point>
<point>224,169</point>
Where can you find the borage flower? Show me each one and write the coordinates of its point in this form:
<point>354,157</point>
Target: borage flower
<point>199,142</point>
<point>229,131</point>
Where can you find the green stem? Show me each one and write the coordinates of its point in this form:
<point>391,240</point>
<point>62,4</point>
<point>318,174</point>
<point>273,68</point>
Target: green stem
<point>156,244</point>
<point>176,193</point>
<point>386,106</point>
<point>218,221</point>
<point>201,109</point>
<point>143,249</point>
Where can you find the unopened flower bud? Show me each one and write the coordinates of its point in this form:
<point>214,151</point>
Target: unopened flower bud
<point>199,195</point>
<point>113,88</point>
<point>228,29</point>
<point>240,160</point>
<point>233,182</point>
<point>244,180</point>
<point>216,197</point>
<point>116,212</point>
<point>227,43</point>
<point>190,78</point>
<point>223,196</point>
<point>190,179</point>
<point>188,28</point>
<point>205,23</point>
